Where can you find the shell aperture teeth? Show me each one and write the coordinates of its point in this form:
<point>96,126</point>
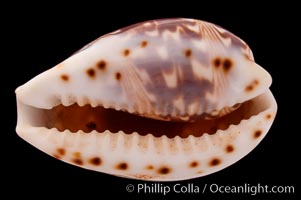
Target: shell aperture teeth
<point>190,117</point>
<point>88,118</point>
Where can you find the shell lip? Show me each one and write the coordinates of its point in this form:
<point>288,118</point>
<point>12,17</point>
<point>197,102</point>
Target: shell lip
<point>39,121</point>
<point>159,147</point>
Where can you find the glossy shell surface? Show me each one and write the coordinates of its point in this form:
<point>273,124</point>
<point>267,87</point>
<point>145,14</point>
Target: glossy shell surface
<point>168,99</point>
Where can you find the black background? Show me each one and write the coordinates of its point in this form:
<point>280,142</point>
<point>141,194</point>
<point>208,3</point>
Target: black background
<point>40,36</point>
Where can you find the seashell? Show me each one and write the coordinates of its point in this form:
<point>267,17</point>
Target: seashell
<point>161,100</point>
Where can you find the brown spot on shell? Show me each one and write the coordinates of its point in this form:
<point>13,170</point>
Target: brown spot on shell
<point>91,72</point>
<point>257,134</point>
<point>164,170</point>
<point>188,53</point>
<point>227,65</point>
<point>65,77</point>
<point>122,166</point>
<point>126,52</point>
<point>229,148</point>
<point>144,43</point>
<point>149,167</point>
<point>193,164</point>
<point>61,151</point>
<point>78,161</point>
<point>101,65</point>
<point>268,116</point>
<point>251,86</point>
<point>214,162</point>
<point>95,161</point>
<point>118,76</point>
<point>199,172</point>
<point>216,62</point>
<point>77,154</point>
